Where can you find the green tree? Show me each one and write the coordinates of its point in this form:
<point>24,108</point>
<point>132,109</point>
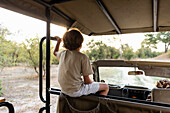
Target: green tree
<point>0,89</point>
<point>112,53</point>
<point>146,52</point>
<point>99,50</point>
<point>154,39</point>
<point>8,49</point>
<point>13,52</point>
<point>96,50</point>
<point>3,54</point>
<point>31,54</point>
<point>127,52</point>
<point>164,37</point>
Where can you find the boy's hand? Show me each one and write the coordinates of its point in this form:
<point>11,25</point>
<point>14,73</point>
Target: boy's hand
<point>58,38</point>
<point>87,79</point>
<point>57,45</point>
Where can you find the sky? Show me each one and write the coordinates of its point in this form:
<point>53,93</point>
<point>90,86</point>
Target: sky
<point>23,27</point>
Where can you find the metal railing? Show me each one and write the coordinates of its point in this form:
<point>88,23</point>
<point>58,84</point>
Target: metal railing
<point>41,75</point>
<point>8,105</point>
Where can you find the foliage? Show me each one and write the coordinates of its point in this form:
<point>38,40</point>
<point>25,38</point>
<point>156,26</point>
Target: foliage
<point>164,37</point>
<point>112,53</point>
<point>127,52</point>
<point>154,39</point>
<point>3,56</point>
<point>99,50</point>
<point>0,89</point>
<point>146,52</point>
<point>54,59</point>
<point>151,41</point>
<point>31,54</point>
<point>27,53</point>
<point>9,50</point>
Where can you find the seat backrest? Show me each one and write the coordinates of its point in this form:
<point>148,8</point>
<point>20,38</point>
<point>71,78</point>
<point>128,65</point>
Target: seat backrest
<point>161,95</point>
<point>2,99</point>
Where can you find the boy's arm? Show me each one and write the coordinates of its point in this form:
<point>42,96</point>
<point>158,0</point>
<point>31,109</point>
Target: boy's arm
<point>87,79</point>
<point>57,45</point>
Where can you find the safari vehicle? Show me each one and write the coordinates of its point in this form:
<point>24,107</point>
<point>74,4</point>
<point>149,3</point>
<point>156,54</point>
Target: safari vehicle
<point>126,94</point>
<point>123,86</point>
<point>101,17</point>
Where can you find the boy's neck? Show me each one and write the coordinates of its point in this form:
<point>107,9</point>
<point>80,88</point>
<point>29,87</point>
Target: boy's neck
<point>78,49</point>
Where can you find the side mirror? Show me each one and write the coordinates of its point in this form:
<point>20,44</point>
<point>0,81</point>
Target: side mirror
<point>135,73</point>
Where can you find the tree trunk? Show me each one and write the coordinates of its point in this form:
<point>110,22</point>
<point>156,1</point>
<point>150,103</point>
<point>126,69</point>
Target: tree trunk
<point>44,70</point>
<point>35,68</point>
<point>16,59</point>
<point>165,48</point>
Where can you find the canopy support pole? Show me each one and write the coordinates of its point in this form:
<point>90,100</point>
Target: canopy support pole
<point>48,60</point>
<point>155,15</point>
<point>57,11</point>
<point>108,15</point>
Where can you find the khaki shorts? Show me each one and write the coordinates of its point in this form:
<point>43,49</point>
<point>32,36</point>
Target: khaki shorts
<point>85,90</point>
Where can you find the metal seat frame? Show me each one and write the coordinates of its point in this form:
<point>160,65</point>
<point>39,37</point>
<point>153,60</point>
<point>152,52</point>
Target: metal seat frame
<point>8,105</point>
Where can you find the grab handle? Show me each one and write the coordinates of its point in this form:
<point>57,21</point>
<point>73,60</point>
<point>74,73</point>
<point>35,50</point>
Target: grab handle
<point>41,67</point>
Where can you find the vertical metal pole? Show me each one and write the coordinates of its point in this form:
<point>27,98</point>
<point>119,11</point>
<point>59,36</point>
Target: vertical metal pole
<point>98,77</point>
<point>48,61</point>
<point>40,70</point>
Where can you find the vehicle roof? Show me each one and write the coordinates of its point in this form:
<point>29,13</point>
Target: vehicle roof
<point>99,17</point>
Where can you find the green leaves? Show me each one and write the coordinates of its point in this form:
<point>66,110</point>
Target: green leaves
<point>0,89</point>
<point>8,49</point>
<point>146,52</point>
<point>153,39</point>
<point>127,52</point>
<point>31,53</point>
<point>26,53</point>
<point>99,50</point>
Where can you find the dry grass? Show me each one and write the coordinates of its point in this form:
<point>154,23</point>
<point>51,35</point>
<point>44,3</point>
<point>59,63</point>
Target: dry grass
<point>31,77</point>
<point>21,88</point>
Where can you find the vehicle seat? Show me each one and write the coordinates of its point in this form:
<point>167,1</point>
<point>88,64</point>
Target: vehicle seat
<point>161,95</point>
<point>2,99</point>
<point>6,104</point>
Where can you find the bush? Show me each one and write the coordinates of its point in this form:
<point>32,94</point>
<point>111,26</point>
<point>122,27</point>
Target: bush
<point>127,52</point>
<point>145,52</point>
<point>99,50</point>
<point>0,89</point>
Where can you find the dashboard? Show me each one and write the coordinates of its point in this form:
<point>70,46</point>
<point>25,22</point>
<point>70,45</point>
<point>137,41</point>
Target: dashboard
<point>134,92</point>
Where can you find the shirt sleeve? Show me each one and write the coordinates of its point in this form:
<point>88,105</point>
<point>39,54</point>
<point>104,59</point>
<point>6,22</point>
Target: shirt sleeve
<point>86,66</point>
<point>58,54</point>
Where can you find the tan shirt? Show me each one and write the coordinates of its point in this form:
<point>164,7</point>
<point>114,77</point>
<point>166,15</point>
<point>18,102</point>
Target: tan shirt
<point>72,65</point>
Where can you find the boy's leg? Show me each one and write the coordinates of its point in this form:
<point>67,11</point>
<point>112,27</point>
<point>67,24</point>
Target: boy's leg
<point>103,88</point>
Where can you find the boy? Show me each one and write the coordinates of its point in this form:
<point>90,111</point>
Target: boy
<point>73,64</point>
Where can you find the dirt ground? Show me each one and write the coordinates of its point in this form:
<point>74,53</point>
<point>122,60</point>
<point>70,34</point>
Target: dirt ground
<point>21,88</point>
